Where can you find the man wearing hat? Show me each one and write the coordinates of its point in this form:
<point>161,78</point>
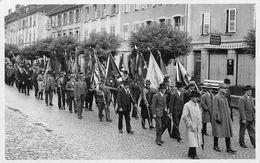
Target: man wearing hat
<point>70,92</point>
<point>40,81</point>
<point>60,85</point>
<point>124,100</point>
<point>221,121</point>
<point>136,91</point>
<point>228,94</point>
<point>175,108</point>
<point>186,94</point>
<point>49,88</point>
<point>90,93</point>
<point>247,117</point>
<point>34,80</point>
<point>166,81</point>
<point>80,89</point>
<point>145,104</point>
<point>190,125</point>
<point>158,107</point>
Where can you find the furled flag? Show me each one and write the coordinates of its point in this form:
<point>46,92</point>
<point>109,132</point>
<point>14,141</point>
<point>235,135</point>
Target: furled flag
<point>182,74</point>
<point>113,76</point>
<point>164,71</point>
<point>154,73</point>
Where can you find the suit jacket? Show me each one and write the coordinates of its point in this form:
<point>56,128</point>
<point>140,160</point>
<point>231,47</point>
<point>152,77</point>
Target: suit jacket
<point>158,104</point>
<point>70,88</point>
<point>176,104</point>
<point>80,89</point>
<point>124,100</point>
<point>49,84</point>
<point>206,104</point>
<point>246,108</point>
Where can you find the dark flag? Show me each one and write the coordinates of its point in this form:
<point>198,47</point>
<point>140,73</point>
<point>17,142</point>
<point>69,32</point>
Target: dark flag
<point>113,76</point>
<point>164,71</point>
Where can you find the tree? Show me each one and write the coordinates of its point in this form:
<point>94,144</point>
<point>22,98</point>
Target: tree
<point>250,41</point>
<point>11,49</point>
<point>171,42</point>
<point>42,47</point>
<point>103,43</point>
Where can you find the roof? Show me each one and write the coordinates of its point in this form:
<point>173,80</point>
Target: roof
<point>61,8</point>
<point>39,8</point>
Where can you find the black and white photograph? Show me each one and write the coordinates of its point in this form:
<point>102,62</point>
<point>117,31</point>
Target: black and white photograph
<point>134,81</point>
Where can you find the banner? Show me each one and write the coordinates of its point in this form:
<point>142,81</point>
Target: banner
<point>164,71</point>
<point>181,74</point>
<point>154,73</point>
<point>113,76</point>
<point>99,70</point>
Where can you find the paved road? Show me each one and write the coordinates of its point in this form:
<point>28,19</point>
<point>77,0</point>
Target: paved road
<point>91,139</point>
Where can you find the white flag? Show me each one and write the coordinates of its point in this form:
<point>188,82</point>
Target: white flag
<point>154,73</point>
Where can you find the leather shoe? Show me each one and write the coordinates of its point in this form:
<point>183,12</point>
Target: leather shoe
<point>120,131</point>
<point>144,127</point>
<point>159,143</point>
<point>243,145</point>
<point>51,104</point>
<point>180,140</point>
<point>162,142</point>
<point>130,132</point>
<point>231,151</point>
<point>217,149</point>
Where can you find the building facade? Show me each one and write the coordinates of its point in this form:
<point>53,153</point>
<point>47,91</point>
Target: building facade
<point>28,25</point>
<point>66,20</point>
<point>231,22</point>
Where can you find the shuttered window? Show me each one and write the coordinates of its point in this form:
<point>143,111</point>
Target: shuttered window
<point>205,23</point>
<point>231,18</point>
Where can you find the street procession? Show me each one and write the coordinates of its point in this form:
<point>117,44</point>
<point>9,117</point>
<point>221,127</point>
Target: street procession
<point>150,88</point>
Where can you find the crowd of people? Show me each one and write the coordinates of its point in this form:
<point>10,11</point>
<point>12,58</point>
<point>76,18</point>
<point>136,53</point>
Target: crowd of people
<point>181,109</point>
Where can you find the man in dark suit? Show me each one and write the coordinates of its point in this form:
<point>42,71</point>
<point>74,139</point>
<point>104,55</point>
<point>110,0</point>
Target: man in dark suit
<point>206,104</point>
<point>80,89</point>
<point>136,91</point>
<point>247,117</point>
<point>90,94</point>
<point>228,94</point>
<point>175,108</point>
<point>49,88</point>
<point>124,100</point>
<point>158,107</point>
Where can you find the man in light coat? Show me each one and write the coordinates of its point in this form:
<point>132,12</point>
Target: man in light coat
<point>206,104</point>
<point>191,124</point>
<point>221,120</point>
<point>158,106</point>
<point>247,117</point>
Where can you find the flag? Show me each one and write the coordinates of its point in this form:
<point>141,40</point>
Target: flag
<point>141,69</point>
<point>154,73</point>
<point>98,70</point>
<point>164,71</point>
<point>113,75</point>
<point>183,74</point>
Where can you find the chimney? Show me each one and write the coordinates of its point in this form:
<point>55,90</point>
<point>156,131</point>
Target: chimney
<point>17,8</point>
<point>9,11</point>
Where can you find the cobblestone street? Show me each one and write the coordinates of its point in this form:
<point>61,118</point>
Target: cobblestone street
<point>36,131</point>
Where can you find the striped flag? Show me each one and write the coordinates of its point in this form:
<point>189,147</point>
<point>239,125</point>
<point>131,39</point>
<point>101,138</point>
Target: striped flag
<point>182,74</point>
<point>154,73</point>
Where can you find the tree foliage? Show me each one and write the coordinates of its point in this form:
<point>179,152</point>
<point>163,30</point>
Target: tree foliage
<point>171,42</point>
<point>103,43</point>
<point>9,49</point>
<point>62,44</point>
<point>250,40</point>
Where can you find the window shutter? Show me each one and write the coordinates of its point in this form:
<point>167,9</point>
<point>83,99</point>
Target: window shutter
<point>117,8</point>
<point>206,28</point>
<point>74,16</point>
<point>232,20</point>
<point>91,12</point>
<point>98,10</point>
<point>79,14</point>
<point>201,23</point>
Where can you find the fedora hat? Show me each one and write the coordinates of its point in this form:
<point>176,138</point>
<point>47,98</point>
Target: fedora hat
<point>194,94</point>
<point>148,82</point>
<point>162,86</point>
